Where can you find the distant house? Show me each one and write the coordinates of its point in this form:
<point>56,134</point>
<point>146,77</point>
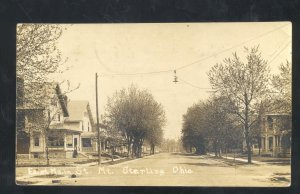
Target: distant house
<point>275,135</point>
<point>81,120</point>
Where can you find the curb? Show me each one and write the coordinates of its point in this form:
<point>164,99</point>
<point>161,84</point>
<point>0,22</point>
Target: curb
<point>239,159</point>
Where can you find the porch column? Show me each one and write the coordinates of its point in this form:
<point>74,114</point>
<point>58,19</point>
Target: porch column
<point>30,145</point>
<point>267,143</point>
<point>65,141</point>
<point>279,145</point>
<point>79,142</point>
<point>274,144</point>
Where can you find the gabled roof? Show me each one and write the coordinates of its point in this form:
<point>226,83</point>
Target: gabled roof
<point>76,110</point>
<point>62,101</point>
<point>34,91</point>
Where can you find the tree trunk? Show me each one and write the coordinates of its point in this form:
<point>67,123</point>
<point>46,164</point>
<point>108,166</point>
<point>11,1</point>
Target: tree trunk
<point>215,149</point>
<point>47,149</point>
<point>152,147</point>
<point>112,153</point>
<point>47,156</point>
<point>259,145</point>
<point>133,150</point>
<point>129,151</point>
<point>248,151</point>
<point>140,146</point>
<point>246,125</point>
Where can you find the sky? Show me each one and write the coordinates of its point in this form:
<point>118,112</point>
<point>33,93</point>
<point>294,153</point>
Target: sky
<point>147,55</point>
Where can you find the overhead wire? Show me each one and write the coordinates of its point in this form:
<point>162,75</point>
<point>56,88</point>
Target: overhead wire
<point>195,62</point>
<point>277,54</point>
<point>235,46</point>
<point>283,48</point>
<point>190,84</point>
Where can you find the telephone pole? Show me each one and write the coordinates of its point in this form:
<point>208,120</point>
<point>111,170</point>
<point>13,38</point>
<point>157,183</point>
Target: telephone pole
<point>98,129</point>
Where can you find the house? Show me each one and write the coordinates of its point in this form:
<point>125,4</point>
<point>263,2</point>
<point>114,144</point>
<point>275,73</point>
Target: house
<point>41,109</point>
<point>275,135</point>
<point>81,120</point>
<point>48,123</point>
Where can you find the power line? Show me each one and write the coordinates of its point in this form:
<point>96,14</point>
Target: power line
<point>235,46</point>
<point>279,53</point>
<point>190,84</point>
<point>141,73</point>
<point>283,48</point>
<point>200,60</point>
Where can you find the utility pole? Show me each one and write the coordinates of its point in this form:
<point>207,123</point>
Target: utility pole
<point>98,129</point>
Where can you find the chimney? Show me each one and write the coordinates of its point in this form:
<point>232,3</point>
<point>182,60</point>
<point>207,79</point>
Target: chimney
<point>66,100</point>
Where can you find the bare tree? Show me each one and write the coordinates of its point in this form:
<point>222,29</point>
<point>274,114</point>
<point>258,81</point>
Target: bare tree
<point>134,112</point>
<point>282,85</point>
<point>171,145</point>
<point>208,125</point>
<point>244,84</point>
<point>193,129</point>
<point>282,102</point>
<point>37,52</point>
<point>221,129</point>
<point>155,137</point>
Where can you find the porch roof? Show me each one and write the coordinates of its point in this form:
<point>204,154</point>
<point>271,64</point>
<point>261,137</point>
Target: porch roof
<point>61,126</point>
<point>89,134</point>
<point>65,129</point>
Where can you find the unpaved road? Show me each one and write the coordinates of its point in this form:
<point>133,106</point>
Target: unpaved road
<point>168,169</point>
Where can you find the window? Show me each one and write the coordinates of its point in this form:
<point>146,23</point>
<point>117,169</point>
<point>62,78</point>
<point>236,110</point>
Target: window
<point>35,155</point>
<point>56,141</point>
<point>88,126</point>
<point>82,126</point>
<point>86,142</point>
<point>36,141</point>
<point>270,123</point>
<point>270,143</point>
<point>58,117</point>
<point>69,141</point>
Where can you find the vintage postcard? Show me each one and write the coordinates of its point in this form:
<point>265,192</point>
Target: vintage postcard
<point>156,104</point>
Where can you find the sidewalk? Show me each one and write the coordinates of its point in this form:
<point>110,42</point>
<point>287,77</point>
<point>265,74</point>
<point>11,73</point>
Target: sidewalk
<point>239,159</point>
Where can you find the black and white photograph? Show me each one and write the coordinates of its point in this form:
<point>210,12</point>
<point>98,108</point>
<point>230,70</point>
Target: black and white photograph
<point>204,104</point>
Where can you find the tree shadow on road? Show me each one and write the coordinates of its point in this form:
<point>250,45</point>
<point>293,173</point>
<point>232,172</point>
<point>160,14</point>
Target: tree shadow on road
<point>184,154</point>
<point>205,164</point>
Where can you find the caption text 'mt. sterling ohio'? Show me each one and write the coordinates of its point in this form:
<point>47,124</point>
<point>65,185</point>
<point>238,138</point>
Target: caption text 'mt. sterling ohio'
<point>112,170</point>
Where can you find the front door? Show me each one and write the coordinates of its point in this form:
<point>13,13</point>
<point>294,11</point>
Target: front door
<point>75,153</point>
<point>75,143</point>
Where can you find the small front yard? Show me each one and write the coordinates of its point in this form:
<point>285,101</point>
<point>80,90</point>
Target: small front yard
<point>36,162</point>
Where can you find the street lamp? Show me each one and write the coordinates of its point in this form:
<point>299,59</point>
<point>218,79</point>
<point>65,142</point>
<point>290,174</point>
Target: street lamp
<point>175,77</point>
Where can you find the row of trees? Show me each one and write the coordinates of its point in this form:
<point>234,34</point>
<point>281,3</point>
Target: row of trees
<point>171,145</point>
<point>138,117</point>
<point>208,126</point>
<point>243,92</point>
